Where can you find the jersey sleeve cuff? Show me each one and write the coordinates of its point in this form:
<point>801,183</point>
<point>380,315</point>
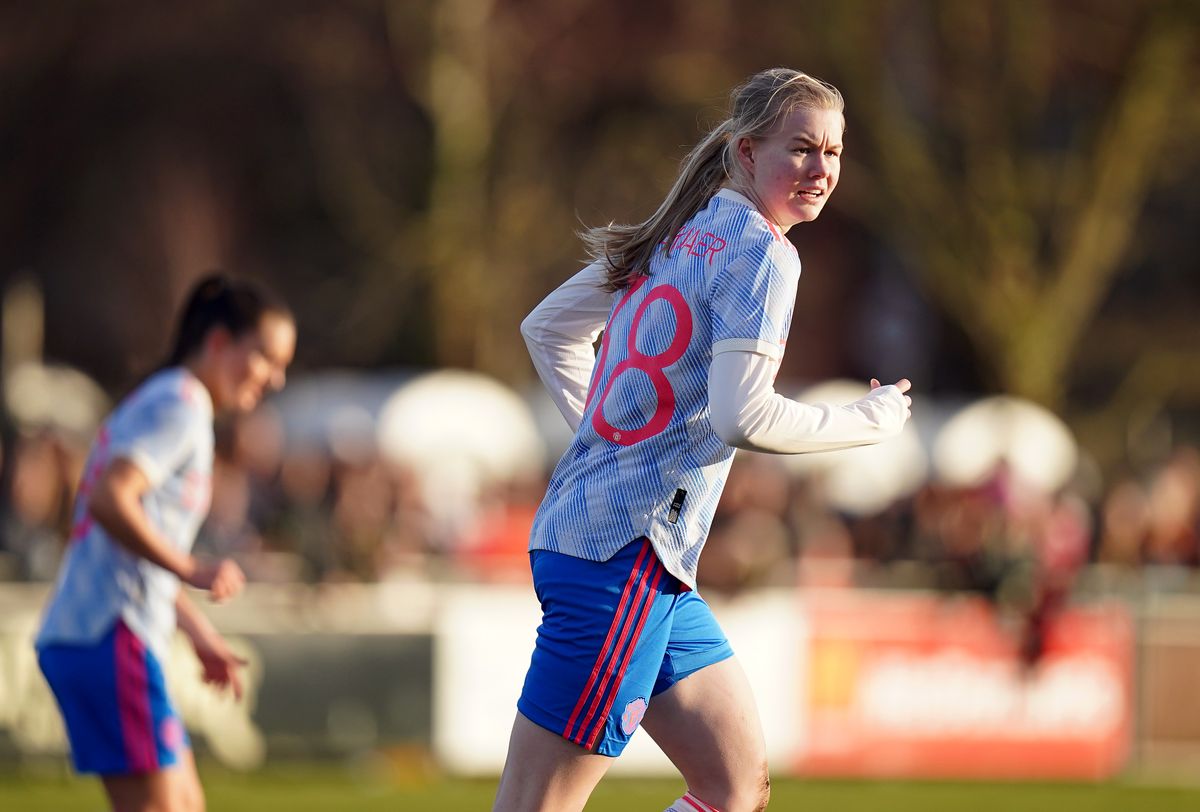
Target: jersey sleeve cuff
<point>755,345</point>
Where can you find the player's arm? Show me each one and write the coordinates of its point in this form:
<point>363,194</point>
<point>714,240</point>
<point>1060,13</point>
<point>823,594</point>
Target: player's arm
<point>221,665</point>
<point>560,333</point>
<point>116,503</point>
<point>746,411</point>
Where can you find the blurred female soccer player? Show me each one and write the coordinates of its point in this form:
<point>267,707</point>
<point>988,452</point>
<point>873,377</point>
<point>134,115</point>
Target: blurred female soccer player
<point>695,304</point>
<point>145,491</point>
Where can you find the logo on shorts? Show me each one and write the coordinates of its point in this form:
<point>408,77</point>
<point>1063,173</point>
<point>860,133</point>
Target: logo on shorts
<point>170,732</point>
<point>632,717</point>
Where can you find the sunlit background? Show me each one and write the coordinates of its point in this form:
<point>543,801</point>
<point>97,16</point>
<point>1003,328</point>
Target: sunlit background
<point>1010,590</point>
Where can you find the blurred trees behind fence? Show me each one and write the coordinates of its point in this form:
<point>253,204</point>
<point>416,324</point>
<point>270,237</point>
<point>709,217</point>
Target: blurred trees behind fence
<point>1017,210</point>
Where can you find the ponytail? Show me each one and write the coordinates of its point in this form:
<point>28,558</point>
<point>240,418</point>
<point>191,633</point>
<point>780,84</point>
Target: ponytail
<point>627,249</point>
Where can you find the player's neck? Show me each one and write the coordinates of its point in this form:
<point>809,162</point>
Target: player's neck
<point>203,370</point>
<point>746,190</point>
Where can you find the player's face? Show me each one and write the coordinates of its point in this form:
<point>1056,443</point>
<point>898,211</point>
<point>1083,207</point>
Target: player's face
<point>794,169</point>
<point>256,363</point>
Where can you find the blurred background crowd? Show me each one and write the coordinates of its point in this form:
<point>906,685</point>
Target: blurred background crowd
<point>334,489</point>
<point>1016,219</point>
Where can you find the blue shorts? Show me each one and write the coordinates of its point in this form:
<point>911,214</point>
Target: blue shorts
<point>114,702</point>
<point>614,635</point>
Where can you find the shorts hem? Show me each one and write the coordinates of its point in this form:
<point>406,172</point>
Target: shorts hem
<point>689,664</point>
<point>548,721</point>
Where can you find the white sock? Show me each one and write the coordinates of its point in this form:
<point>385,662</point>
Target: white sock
<point>690,803</point>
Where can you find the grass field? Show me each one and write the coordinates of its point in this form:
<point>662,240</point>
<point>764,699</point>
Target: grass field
<point>321,789</point>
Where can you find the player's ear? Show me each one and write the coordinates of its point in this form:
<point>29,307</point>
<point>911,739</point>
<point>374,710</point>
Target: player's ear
<point>744,153</point>
<point>217,339</point>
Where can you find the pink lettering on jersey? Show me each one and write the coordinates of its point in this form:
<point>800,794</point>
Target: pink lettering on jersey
<point>709,245</point>
<point>686,238</point>
<point>698,243</point>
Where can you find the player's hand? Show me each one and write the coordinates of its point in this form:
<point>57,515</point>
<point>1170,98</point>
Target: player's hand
<point>223,580</point>
<point>904,384</point>
<point>222,668</point>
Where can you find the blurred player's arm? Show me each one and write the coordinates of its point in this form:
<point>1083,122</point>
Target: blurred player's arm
<point>116,503</point>
<point>560,334</point>
<point>220,663</point>
<point>746,411</point>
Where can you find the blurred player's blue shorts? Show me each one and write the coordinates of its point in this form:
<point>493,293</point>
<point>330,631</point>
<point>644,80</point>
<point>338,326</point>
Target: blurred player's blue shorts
<point>114,702</point>
<point>614,635</point>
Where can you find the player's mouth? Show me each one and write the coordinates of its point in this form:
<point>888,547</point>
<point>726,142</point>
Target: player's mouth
<point>810,194</point>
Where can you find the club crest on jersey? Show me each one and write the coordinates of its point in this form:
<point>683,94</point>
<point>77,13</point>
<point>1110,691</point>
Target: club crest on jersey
<point>170,732</point>
<point>632,716</point>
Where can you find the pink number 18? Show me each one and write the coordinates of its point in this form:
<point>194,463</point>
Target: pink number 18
<point>652,365</point>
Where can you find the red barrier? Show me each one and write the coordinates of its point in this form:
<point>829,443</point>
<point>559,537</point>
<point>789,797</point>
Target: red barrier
<point>921,686</point>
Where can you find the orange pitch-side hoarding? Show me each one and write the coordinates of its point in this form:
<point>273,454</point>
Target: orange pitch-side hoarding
<point>922,686</point>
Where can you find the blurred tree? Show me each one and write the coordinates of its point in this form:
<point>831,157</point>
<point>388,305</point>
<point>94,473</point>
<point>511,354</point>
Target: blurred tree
<point>1012,147</point>
<point>514,143</point>
<point>410,174</point>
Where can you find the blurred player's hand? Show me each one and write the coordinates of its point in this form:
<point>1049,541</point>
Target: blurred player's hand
<point>904,384</point>
<point>223,580</point>
<point>221,666</point>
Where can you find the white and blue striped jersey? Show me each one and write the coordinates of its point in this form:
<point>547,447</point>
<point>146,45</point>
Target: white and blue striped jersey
<point>164,428</point>
<point>645,460</point>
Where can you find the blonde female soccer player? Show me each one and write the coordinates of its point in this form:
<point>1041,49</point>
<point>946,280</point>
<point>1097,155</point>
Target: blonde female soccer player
<point>695,305</point>
<point>145,491</point>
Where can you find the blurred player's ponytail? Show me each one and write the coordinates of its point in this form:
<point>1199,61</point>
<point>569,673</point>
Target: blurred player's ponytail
<point>218,300</point>
<point>756,106</point>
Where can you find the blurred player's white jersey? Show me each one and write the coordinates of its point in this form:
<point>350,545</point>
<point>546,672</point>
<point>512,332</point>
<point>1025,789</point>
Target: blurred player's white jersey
<point>645,460</point>
<point>165,429</point>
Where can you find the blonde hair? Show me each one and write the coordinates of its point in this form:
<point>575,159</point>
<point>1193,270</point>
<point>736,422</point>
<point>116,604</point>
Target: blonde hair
<point>756,106</point>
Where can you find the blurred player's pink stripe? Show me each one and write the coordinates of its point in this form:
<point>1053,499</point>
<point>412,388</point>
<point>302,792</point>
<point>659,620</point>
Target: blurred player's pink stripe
<point>133,702</point>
